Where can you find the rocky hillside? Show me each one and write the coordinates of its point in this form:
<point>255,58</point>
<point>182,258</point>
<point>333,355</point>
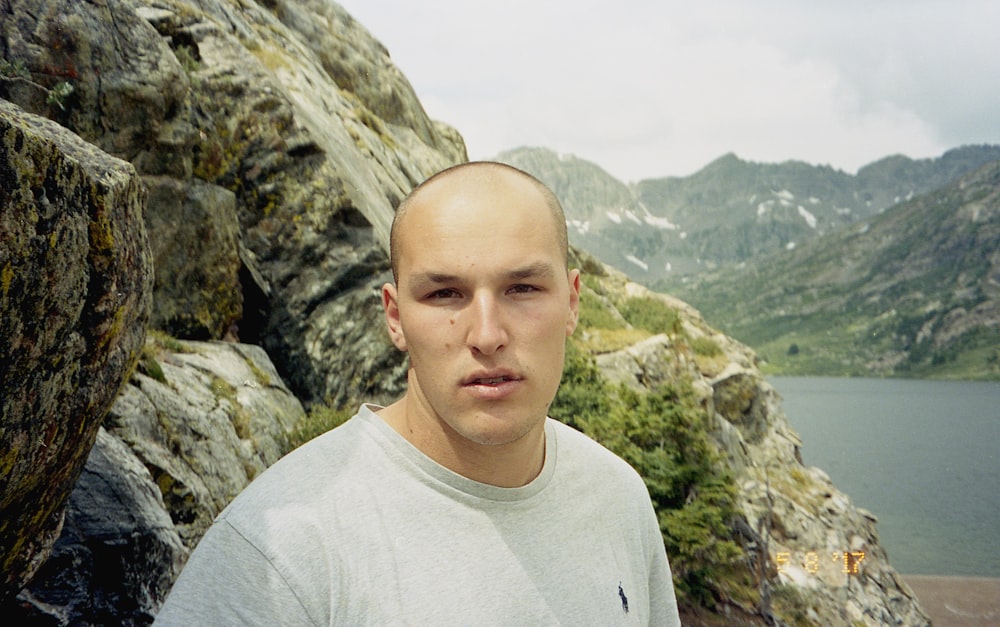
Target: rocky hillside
<point>914,291</point>
<point>664,231</point>
<point>273,140</point>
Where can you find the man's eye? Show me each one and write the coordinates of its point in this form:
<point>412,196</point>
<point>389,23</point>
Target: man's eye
<point>523,289</point>
<point>445,293</point>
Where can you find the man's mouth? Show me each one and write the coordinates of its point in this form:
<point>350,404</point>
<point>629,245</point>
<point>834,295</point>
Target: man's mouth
<point>491,381</point>
<point>491,378</point>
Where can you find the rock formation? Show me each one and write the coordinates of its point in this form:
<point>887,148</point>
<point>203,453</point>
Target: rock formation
<point>198,422</point>
<point>796,525</point>
<point>275,138</point>
<point>118,549</point>
<point>75,285</point>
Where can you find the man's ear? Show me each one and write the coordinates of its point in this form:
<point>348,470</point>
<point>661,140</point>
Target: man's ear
<point>390,304</point>
<point>574,302</point>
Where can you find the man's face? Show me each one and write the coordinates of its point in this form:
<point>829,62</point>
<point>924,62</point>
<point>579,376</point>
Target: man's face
<point>483,306</point>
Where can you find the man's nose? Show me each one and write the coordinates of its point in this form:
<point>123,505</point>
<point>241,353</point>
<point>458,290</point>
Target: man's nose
<point>487,332</point>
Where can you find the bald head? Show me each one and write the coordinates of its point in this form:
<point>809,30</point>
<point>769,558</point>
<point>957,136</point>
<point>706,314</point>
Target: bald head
<point>475,175</point>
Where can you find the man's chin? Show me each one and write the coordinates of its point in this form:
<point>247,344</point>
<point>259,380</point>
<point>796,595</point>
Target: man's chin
<point>498,430</point>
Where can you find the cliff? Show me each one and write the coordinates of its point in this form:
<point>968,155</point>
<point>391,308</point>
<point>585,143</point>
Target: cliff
<point>274,139</point>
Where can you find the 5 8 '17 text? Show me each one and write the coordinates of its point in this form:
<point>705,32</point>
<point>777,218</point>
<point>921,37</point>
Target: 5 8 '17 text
<point>810,561</point>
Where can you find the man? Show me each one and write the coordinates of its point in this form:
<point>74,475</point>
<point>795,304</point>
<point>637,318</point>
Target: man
<point>461,503</point>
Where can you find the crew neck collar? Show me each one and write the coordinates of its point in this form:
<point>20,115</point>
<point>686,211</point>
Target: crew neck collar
<point>405,452</point>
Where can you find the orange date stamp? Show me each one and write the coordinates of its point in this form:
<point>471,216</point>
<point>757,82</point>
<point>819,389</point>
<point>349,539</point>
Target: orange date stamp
<point>810,560</point>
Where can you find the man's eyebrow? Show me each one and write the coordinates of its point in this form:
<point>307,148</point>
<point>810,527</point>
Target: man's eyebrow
<point>538,269</point>
<point>433,277</point>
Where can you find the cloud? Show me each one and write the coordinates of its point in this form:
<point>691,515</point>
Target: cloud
<point>650,89</point>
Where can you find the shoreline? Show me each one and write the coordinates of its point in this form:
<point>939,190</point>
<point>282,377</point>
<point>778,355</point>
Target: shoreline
<point>957,601</point>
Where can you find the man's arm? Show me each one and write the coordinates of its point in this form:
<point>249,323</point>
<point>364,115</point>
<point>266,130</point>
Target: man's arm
<point>228,581</point>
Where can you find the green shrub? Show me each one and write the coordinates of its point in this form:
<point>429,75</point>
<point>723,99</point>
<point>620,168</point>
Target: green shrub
<point>319,420</point>
<point>651,314</point>
<point>664,435</point>
<point>706,347</point>
<point>188,58</point>
<point>594,314</point>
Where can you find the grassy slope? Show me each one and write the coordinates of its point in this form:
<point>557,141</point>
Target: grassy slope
<point>912,292</point>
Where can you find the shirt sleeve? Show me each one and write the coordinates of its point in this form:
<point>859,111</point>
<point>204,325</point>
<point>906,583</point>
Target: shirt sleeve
<point>662,598</point>
<point>229,581</point>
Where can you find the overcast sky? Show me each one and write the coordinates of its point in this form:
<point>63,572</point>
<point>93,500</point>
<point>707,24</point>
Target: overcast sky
<point>661,88</point>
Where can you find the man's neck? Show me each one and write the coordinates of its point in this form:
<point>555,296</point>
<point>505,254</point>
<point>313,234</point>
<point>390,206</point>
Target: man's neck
<point>509,465</point>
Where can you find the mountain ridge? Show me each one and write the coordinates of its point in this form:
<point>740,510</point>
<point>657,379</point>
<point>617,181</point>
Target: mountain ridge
<point>914,291</point>
<point>731,211</point>
<point>820,271</point>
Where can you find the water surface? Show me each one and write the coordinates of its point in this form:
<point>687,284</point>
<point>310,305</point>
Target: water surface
<point>921,455</point>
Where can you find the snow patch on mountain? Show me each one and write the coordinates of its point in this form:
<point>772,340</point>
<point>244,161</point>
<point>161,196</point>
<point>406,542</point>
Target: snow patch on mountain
<point>631,216</point>
<point>808,217</point>
<point>639,262</point>
<point>580,226</point>
<point>660,223</point>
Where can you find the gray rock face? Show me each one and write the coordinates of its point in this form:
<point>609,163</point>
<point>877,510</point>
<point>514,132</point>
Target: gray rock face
<point>324,138</point>
<point>118,553</point>
<point>75,287</point>
<point>177,449</point>
<point>128,90</point>
<point>290,106</point>
<point>196,249</point>
<point>794,518</point>
<point>213,418</point>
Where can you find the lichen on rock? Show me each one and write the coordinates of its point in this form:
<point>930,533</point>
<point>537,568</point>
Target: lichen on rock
<point>76,297</point>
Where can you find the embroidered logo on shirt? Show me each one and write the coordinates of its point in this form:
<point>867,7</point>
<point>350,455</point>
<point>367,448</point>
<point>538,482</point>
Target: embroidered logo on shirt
<point>621,593</point>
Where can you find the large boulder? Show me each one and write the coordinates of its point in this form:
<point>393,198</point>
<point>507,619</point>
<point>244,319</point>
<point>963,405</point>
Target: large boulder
<point>118,553</point>
<point>205,418</point>
<point>196,424</point>
<point>75,292</point>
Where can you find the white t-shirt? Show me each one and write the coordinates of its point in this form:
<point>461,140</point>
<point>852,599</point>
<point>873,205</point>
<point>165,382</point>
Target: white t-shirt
<point>358,527</point>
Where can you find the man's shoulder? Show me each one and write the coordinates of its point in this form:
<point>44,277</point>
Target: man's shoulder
<point>590,477</point>
<point>575,439</point>
<point>320,465</point>
<point>584,453</point>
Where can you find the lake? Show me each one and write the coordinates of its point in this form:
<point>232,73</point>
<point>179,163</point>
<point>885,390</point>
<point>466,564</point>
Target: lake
<point>923,456</point>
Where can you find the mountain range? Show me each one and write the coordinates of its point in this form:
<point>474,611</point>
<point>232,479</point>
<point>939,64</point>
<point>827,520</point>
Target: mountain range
<point>893,271</point>
<point>665,230</point>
